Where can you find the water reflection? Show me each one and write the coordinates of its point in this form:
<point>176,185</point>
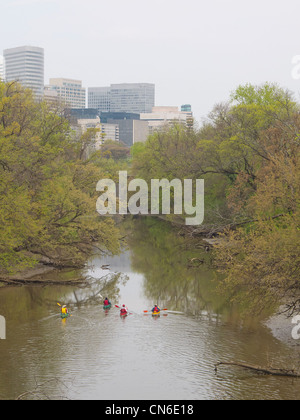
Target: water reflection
<point>96,290</point>
<point>163,257</point>
<point>92,354</point>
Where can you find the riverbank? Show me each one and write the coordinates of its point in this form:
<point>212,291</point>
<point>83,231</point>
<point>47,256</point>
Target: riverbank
<point>42,268</point>
<point>27,275</point>
<point>43,275</point>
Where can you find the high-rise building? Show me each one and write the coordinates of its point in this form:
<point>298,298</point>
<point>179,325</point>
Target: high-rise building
<point>69,91</point>
<point>132,97</point>
<point>162,117</point>
<point>99,98</point>
<point>126,97</point>
<point>186,108</point>
<point>25,65</point>
<point>1,68</point>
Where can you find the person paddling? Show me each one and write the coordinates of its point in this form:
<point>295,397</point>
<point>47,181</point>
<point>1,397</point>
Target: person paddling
<point>124,310</point>
<point>156,309</point>
<point>106,302</point>
<point>64,312</point>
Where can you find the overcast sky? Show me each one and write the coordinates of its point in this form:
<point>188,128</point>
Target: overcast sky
<point>194,51</point>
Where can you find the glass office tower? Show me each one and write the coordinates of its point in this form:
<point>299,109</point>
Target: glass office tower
<point>132,97</point>
<point>125,97</point>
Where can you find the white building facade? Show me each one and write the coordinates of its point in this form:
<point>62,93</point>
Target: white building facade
<point>1,68</point>
<point>163,117</point>
<point>26,66</point>
<point>110,132</point>
<point>69,91</point>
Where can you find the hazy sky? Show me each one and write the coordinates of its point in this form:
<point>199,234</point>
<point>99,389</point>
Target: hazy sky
<point>194,51</point>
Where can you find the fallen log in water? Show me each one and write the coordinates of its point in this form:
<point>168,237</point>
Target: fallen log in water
<point>266,371</point>
<point>22,282</point>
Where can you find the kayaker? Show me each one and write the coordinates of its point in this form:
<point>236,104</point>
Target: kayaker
<point>123,310</point>
<point>106,302</point>
<point>156,309</point>
<point>64,310</point>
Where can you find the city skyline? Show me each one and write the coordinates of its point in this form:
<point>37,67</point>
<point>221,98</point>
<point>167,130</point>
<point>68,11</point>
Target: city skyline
<point>25,64</point>
<point>197,52</point>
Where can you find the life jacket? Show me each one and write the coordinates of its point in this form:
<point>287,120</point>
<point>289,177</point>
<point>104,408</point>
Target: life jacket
<point>106,302</point>
<point>156,309</point>
<point>64,311</point>
<point>123,311</point>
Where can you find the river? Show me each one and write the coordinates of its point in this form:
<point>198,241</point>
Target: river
<point>97,355</point>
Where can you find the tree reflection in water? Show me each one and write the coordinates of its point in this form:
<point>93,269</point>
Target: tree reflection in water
<point>164,257</point>
<point>96,290</point>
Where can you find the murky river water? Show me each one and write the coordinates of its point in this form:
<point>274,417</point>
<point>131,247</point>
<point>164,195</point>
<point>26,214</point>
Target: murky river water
<point>97,355</point>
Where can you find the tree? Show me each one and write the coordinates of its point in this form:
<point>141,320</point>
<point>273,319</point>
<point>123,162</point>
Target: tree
<point>47,192</point>
<point>248,154</point>
<point>261,259</point>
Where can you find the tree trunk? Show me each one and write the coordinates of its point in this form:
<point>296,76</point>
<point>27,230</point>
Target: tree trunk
<point>266,371</point>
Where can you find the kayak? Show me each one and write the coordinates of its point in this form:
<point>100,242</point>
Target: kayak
<point>105,307</point>
<point>124,315</point>
<point>64,316</point>
<point>156,313</point>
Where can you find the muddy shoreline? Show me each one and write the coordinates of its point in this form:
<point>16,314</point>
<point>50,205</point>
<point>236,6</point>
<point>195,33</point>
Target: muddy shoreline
<point>40,275</point>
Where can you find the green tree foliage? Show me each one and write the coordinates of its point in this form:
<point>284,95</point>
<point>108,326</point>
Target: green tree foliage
<point>115,150</point>
<point>47,191</point>
<point>248,154</point>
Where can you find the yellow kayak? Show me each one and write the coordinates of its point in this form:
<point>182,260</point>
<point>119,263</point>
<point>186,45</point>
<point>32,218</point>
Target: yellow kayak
<point>155,313</point>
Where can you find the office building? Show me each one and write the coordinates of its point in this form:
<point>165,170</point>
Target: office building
<point>126,97</point>
<point>132,97</point>
<point>81,114</point>
<point>109,116</point>
<point>186,108</point>
<point>89,118</point>
<point>69,91</point>
<point>110,132</point>
<point>162,117</point>
<point>25,65</point>
<point>99,98</point>
<point>1,68</point>
<point>131,129</point>
<point>50,95</point>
